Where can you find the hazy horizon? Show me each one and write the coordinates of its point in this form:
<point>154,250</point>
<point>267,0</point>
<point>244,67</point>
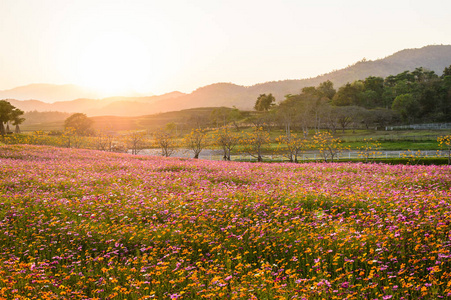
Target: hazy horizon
<point>151,48</point>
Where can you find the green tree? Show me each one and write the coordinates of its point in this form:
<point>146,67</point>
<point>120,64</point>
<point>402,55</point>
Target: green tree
<point>81,124</point>
<point>407,106</point>
<point>264,102</point>
<point>373,92</point>
<point>310,90</point>
<point>349,94</point>
<point>6,111</point>
<point>423,75</point>
<point>446,99</point>
<point>235,116</point>
<point>326,89</point>
<point>375,84</point>
<point>17,119</point>
<point>446,72</point>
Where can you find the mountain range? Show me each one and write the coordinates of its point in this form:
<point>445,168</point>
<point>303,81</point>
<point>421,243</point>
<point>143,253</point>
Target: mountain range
<point>434,57</point>
<point>48,92</point>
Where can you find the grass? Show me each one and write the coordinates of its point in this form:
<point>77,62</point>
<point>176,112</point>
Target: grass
<point>400,145</point>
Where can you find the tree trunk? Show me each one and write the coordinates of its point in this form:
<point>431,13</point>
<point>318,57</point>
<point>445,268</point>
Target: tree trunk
<point>17,129</point>
<point>2,129</point>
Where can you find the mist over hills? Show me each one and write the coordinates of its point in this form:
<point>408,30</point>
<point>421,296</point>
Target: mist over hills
<point>48,92</point>
<point>434,58</point>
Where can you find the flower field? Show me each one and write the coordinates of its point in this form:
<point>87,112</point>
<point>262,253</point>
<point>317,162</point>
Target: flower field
<point>83,224</point>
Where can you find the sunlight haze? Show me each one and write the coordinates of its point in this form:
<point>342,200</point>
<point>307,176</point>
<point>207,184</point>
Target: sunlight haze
<point>154,47</point>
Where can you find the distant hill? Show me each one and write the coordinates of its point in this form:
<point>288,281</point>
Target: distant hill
<point>120,106</point>
<point>48,92</point>
<point>434,58</point>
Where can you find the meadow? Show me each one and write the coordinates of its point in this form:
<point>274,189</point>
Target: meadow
<point>85,224</point>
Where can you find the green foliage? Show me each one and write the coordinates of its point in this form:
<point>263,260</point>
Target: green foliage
<point>9,113</point>
<point>264,102</point>
<point>16,119</point>
<point>80,124</point>
<point>446,72</point>
<point>34,117</point>
<point>348,95</point>
<point>326,89</point>
<point>417,96</point>
<point>407,106</point>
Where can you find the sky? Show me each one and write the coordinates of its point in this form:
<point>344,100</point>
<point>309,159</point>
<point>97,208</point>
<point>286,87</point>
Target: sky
<point>156,46</point>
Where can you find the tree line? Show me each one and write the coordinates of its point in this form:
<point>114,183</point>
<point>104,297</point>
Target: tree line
<point>418,96</point>
<point>255,142</point>
<point>409,97</point>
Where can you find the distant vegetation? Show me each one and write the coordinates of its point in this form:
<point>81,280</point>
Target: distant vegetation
<point>406,98</point>
<point>236,133</point>
<point>434,58</point>
<point>36,118</point>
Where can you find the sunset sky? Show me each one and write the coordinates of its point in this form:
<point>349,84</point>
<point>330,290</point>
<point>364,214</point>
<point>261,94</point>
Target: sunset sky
<point>156,46</point>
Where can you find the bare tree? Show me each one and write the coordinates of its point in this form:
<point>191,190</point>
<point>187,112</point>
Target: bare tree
<point>293,146</point>
<point>135,141</point>
<point>330,118</point>
<point>227,140</point>
<point>255,141</point>
<point>328,146</point>
<point>166,142</point>
<point>196,141</point>
<point>346,115</point>
<point>71,139</point>
<point>103,140</point>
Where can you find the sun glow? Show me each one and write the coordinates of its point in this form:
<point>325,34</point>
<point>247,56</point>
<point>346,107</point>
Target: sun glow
<point>115,64</point>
